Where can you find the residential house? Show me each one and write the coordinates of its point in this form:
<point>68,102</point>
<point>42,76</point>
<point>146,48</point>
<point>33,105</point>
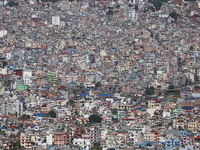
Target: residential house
<point>61,138</point>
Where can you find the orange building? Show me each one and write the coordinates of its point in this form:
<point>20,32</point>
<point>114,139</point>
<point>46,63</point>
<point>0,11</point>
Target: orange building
<point>61,138</point>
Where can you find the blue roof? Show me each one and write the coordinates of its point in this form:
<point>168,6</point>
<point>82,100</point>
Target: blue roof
<point>151,142</point>
<point>10,66</point>
<point>53,147</point>
<point>40,114</point>
<point>105,95</point>
<point>187,108</point>
<point>113,50</point>
<point>85,90</point>
<point>4,127</point>
<point>84,95</point>
<point>190,98</point>
<point>83,14</point>
<point>46,88</point>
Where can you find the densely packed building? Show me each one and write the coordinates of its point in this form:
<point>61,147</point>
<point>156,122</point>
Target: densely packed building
<point>99,75</point>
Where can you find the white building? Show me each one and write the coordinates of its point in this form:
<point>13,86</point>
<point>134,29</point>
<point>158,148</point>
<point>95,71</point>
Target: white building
<point>82,142</point>
<point>9,55</point>
<point>1,2</point>
<point>133,1</point>
<point>27,77</point>
<point>49,139</point>
<point>18,107</point>
<point>3,33</point>
<point>56,20</point>
<point>12,108</point>
<point>3,70</point>
<point>132,14</point>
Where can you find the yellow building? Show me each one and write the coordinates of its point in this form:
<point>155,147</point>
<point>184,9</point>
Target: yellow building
<point>25,141</point>
<point>121,106</point>
<point>178,123</point>
<point>154,104</point>
<point>193,125</point>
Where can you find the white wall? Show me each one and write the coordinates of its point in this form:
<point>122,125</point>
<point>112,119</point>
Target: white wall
<point>151,111</point>
<point>49,139</point>
<point>84,143</point>
<point>3,71</point>
<point>26,76</point>
<point>3,33</point>
<point>56,20</point>
<point>8,55</point>
<point>195,94</point>
<point>165,114</point>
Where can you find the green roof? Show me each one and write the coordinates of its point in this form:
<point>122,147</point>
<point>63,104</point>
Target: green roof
<point>22,87</point>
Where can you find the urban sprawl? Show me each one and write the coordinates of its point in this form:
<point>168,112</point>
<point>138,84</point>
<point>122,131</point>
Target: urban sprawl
<point>100,75</point>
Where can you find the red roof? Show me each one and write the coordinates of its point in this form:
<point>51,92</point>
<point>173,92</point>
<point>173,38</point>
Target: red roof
<point>197,138</point>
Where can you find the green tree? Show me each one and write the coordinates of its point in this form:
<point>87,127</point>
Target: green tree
<point>110,12</point>
<point>44,141</point>
<point>196,87</point>
<point>76,112</point>
<point>95,118</point>
<point>96,146</point>
<point>159,87</point>
<point>54,1</point>
<point>196,78</point>
<point>136,7</point>
<point>192,47</point>
<point>24,116</point>
<point>170,87</point>
<point>151,8</point>
<point>4,63</point>
<point>83,131</point>
<point>15,145</point>
<point>130,5</point>
<point>71,103</point>
<point>117,6</point>
<point>114,111</point>
<point>170,123</point>
<point>180,128</point>
<point>125,110</point>
<point>148,144</point>
<point>157,3</point>
<point>174,15</point>
<point>150,91</point>
<point>98,84</point>
<point>12,3</point>
<point>51,113</point>
<point>177,92</point>
<point>159,124</point>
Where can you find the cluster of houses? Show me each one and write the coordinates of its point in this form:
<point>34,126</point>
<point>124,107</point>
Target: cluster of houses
<point>125,62</point>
